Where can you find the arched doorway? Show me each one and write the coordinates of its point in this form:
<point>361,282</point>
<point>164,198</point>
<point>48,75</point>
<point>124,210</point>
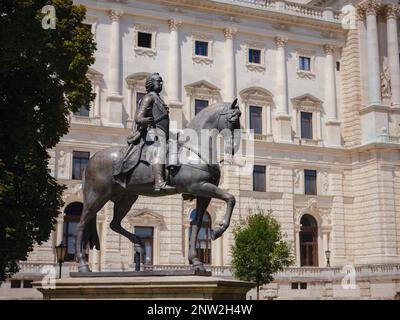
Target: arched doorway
<point>71,219</point>
<point>203,244</point>
<point>308,241</point>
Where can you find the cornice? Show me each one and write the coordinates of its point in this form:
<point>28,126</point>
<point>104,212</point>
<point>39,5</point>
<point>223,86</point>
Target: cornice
<point>231,9</point>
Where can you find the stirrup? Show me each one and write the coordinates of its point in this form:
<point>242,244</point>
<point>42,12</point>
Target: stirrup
<point>162,187</point>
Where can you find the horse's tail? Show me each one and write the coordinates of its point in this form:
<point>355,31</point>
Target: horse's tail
<point>90,235</point>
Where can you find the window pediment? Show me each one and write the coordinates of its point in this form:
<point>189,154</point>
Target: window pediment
<point>256,95</point>
<point>202,86</point>
<point>307,102</point>
<point>146,216</point>
<point>137,80</point>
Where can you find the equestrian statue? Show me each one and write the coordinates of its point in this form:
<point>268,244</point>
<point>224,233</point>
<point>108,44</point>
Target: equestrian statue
<point>142,168</point>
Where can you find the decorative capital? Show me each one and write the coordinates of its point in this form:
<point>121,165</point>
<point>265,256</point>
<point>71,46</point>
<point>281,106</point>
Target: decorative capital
<point>329,49</point>
<point>115,15</point>
<point>392,11</point>
<point>229,32</point>
<point>368,7</point>
<point>280,41</point>
<point>174,24</point>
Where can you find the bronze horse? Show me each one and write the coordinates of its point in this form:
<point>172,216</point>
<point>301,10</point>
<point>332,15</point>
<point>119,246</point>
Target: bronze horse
<point>198,181</point>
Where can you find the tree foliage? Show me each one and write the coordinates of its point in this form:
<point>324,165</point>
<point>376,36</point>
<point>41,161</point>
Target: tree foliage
<point>42,79</point>
<point>259,250</point>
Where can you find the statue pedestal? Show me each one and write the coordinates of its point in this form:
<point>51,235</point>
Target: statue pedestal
<point>147,288</point>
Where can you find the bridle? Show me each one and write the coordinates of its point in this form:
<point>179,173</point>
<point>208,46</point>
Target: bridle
<point>227,110</point>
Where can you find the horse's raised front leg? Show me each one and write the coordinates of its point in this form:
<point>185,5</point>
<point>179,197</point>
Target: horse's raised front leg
<point>209,190</point>
<point>201,207</point>
<point>121,208</point>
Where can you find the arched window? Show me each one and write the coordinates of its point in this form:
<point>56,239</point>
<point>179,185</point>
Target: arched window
<point>308,241</point>
<point>71,219</point>
<point>203,244</point>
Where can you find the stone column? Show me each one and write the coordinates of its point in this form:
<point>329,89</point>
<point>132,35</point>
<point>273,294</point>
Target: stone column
<point>283,117</point>
<point>95,260</point>
<point>174,74</point>
<point>269,124</point>
<point>374,116</point>
<point>230,73</point>
<point>60,229</point>
<point>330,89</point>
<point>96,106</point>
<point>330,105</point>
<point>187,234</point>
<point>114,92</point>
<point>297,229</point>
<point>369,8</point>
<point>174,85</point>
<point>281,76</point>
<point>218,253</point>
<point>393,52</point>
<point>130,108</point>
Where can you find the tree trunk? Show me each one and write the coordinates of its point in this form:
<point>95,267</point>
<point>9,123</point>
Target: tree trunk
<point>258,291</point>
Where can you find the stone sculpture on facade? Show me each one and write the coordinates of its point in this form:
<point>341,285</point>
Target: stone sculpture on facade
<point>385,80</point>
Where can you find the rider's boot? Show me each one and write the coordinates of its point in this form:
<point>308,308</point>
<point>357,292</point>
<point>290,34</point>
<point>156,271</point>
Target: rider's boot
<point>160,184</point>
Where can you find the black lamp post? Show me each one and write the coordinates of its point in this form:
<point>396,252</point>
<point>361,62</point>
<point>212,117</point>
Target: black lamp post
<point>328,257</point>
<point>61,251</point>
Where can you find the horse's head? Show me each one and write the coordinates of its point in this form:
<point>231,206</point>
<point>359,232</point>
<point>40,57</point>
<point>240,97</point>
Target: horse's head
<point>219,119</point>
<point>233,124</point>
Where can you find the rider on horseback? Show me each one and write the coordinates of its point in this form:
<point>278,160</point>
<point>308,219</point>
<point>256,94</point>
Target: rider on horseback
<point>153,115</point>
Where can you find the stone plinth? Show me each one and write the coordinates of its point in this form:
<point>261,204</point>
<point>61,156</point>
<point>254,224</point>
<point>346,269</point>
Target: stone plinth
<point>147,288</point>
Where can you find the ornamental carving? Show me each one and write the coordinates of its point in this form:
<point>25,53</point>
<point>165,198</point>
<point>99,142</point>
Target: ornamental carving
<point>115,15</point>
<point>392,11</point>
<point>280,41</point>
<point>174,24</point>
<point>296,180</point>
<point>329,49</point>
<point>312,207</point>
<point>385,80</point>
<point>62,164</point>
<point>325,181</point>
<point>229,33</point>
<point>368,7</point>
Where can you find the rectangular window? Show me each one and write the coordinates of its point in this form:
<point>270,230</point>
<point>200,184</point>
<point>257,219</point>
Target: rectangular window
<point>139,96</point>
<point>144,39</point>
<point>15,284</point>
<point>83,112</point>
<point>305,63</point>
<point>255,56</point>
<point>146,234</point>
<point>199,105</point>
<point>79,163</point>
<point>337,65</point>
<point>303,285</point>
<point>201,48</point>
<point>256,119</point>
<point>28,284</point>
<point>259,178</point>
<point>295,285</point>
<point>306,125</point>
<point>310,182</point>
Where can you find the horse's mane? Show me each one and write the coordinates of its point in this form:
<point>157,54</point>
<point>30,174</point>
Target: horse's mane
<point>202,116</point>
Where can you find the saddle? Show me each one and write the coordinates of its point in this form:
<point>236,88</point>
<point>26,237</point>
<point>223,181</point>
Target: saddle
<point>132,154</point>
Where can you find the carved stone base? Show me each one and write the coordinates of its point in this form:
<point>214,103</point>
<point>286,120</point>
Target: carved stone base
<point>148,288</point>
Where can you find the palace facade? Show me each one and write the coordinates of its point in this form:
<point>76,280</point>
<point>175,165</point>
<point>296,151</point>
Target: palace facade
<point>319,83</point>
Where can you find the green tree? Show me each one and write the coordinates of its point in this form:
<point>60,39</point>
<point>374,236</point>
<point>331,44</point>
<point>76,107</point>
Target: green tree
<point>259,250</point>
<point>42,79</point>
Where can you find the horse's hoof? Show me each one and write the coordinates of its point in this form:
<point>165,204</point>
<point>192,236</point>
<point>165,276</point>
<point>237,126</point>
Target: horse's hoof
<point>199,267</point>
<point>84,268</point>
